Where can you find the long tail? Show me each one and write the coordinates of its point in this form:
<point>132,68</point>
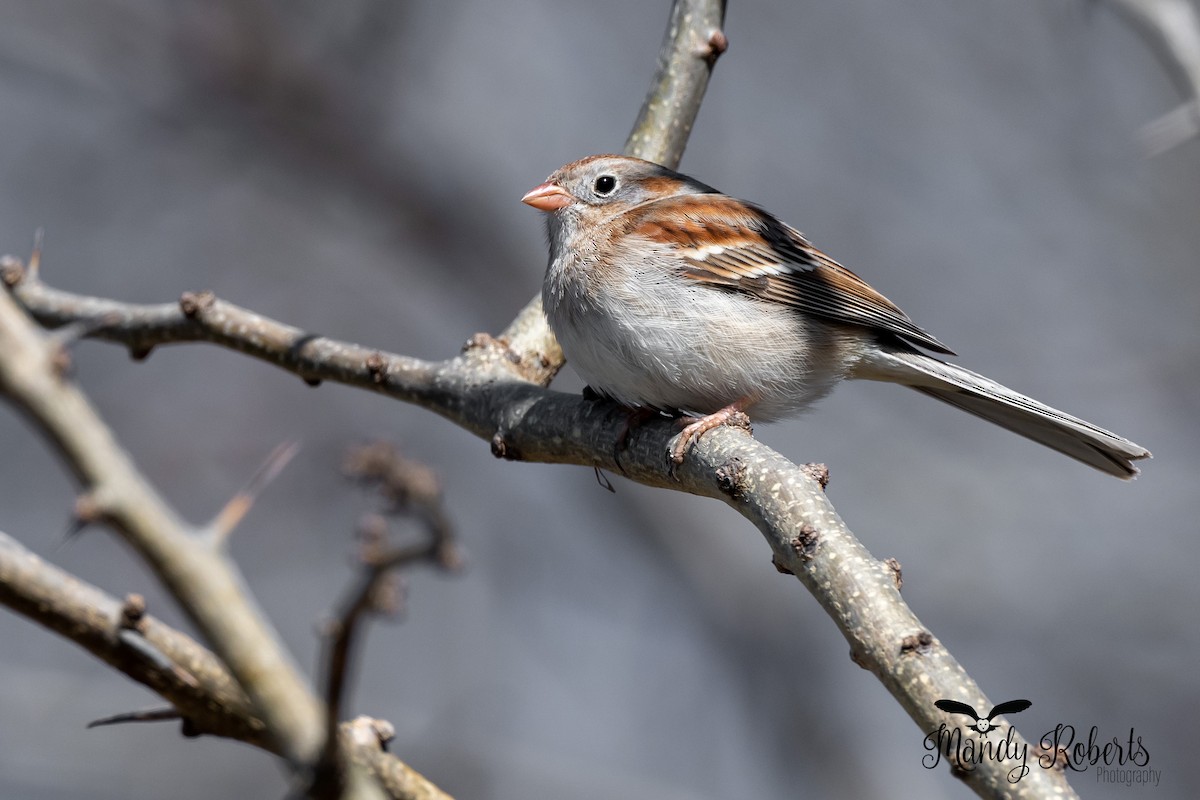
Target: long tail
<point>985,398</point>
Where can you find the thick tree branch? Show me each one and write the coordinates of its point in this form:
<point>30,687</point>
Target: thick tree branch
<point>190,677</point>
<point>187,675</point>
<point>484,389</point>
<point>198,575</point>
<point>496,390</point>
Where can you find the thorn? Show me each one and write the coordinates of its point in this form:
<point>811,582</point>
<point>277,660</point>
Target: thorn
<point>240,504</point>
<point>604,481</point>
<point>71,333</point>
<point>1170,130</point>
<point>86,511</point>
<point>149,715</point>
<point>73,529</point>
<point>35,258</point>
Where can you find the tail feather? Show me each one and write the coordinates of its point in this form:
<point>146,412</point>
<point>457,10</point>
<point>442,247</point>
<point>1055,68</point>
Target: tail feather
<point>985,398</point>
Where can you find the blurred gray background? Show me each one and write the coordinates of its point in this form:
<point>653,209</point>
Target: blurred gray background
<point>355,169</point>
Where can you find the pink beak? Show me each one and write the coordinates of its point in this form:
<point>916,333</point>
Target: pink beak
<point>547,197</point>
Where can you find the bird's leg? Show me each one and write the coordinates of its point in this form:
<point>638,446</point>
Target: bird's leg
<point>732,414</point>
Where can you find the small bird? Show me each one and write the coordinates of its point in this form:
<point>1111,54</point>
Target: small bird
<point>982,724</point>
<point>667,295</point>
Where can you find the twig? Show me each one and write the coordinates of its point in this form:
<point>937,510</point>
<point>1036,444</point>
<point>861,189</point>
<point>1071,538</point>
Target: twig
<point>197,685</point>
<point>1172,28</point>
<point>693,42</point>
<point>192,680</point>
<point>149,715</point>
<point>527,345</point>
<point>240,504</point>
<point>412,489</point>
<point>205,583</point>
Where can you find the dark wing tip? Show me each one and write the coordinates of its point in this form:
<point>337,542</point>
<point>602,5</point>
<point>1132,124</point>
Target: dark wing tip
<point>927,341</point>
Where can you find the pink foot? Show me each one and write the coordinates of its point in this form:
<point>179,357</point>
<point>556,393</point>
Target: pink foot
<point>731,414</point>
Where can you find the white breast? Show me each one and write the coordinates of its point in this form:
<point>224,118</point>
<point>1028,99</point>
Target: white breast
<point>645,335</point>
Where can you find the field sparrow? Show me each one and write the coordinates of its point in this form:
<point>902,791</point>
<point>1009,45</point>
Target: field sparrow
<point>666,294</point>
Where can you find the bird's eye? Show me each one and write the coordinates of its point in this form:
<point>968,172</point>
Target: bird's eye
<point>605,185</point>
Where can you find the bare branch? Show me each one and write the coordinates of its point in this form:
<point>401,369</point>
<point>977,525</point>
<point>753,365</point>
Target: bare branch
<point>1172,28</point>
<point>191,678</point>
<point>495,389</point>
<point>240,504</point>
<point>205,583</point>
<point>693,42</point>
<point>527,346</point>
<point>484,391</point>
<point>410,488</point>
<point>150,715</point>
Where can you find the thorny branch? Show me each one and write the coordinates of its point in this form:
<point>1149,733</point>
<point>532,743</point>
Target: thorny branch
<point>496,389</point>
<point>192,565</point>
<point>411,489</point>
<point>201,691</point>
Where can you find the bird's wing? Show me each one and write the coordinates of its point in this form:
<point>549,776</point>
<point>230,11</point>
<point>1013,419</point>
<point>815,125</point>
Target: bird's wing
<point>1011,707</point>
<point>955,707</point>
<point>738,247</point>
